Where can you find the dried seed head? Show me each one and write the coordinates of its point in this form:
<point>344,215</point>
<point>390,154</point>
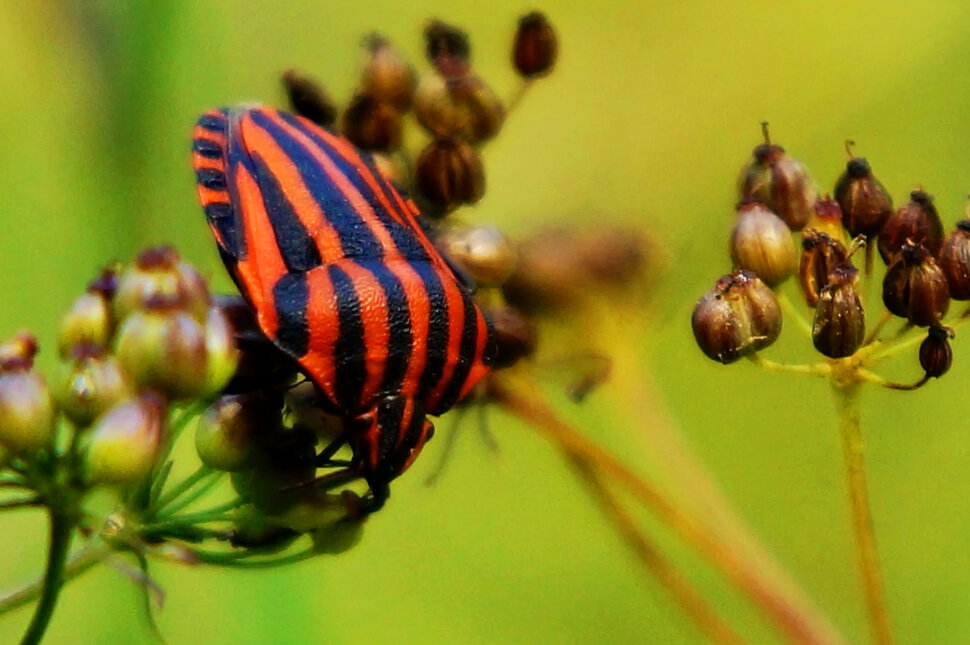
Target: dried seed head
<point>739,317</point>
<point>158,273</point>
<point>779,181</point>
<point>515,336</point>
<point>866,206</point>
<point>915,288</point>
<point>448,49</point>
<point>372,124</point>
<point>935,354</point>
<point>164,349</point>
<point>840,321</point>
<point>124,441</point>
<point>26,410</point>
<point>827,218</point>
<point>465,107</point>
<point>820,255</point>
<point>484,253</point>
<point>536,47</point>
<point>89,383</point>
<point>954,260</point>
<point>763,244</point>
<point>387,76</point>
<point>309,99</point>
<point>916,222</point>
<point>449,173</point>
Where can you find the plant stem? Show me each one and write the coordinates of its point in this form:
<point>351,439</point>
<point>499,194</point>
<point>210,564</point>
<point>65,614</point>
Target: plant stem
<point>666,573</point>
<point>181,488</point>
<point>847,406</point>
<point>82,561</point>
<point>799,623</point>
<point>61,530</point>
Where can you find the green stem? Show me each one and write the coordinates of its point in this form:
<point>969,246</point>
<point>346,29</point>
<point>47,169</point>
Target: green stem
<point>179,490</point>
<point>82,561</point>
<point>61,530</point>
<point>847,406</point>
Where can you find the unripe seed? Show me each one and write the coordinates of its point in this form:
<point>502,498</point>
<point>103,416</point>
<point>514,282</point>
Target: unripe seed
<point>839,327</point>
<point>954,260</point>
<point>484,253</point>
<point>26,411</point>
<point>915,288</point>
<point>866,205</point>
<point>124,441</point>
<point>160,273</point>
<point>221,352</point>
<point>89,383</point>
<point>935,353</point>
<point>89,321</point>
<point>916,223</point>
<point>762,243</point>
<point>535,48</point>
<point>387,76</point>
<point>449,174</point>
<point>372,124</point>
<point>308,98</point>
<point>739,317</point>
<point>820,256</point>
<point>226,435</point>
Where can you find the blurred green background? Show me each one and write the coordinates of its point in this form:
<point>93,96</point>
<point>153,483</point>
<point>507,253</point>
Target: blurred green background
<point>651,112</point>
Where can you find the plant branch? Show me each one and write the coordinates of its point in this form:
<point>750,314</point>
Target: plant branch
<point>80,562</point>
<point>61,530</point>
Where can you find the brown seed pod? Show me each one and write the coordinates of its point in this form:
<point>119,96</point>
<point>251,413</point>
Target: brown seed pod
<point>739,317</point>
<point>820,255</point>
<point>308,98</point>
<point>916,222</point>
<point>515,336</point>
<point>387,76</point>
<point>935,353</point>
<point>449,173</point>
<point>915,288</point>
<point>536,47</point>
<point>762,243</point>
<point>779,181</point>
<point>465,107</point>
<point>840,321</point>
<point>448,49</point>
<point>372,124</point>
<point>954,259</point>
<point>865,203</point>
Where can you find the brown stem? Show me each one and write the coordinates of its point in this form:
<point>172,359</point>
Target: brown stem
<point>790,616</point>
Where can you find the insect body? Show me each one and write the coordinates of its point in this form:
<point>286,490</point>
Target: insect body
<point>341,277</point>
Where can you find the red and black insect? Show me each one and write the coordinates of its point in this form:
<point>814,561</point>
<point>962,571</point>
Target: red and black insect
<point>343,278</point>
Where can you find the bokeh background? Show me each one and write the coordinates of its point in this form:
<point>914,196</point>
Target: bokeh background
<point>651,112</point>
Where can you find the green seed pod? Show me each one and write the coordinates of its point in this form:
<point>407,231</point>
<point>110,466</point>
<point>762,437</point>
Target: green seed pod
<point>916,223</point>
<point>309,99</point>
<point>123,443</point>
<point>221,352</point>
<point>779,181</point>
<point>536,47</point>
<point>226,436</point>
<point>26,411</point>
<point>915,288</point>
<point>163,348</point>
<point>739,317</point>
<point>449,174</point>
<point>955,261</point>
<point>90,319</point>
<point>840,321</point>
<point>387,76</point>
<point>762,243</point>
<point>89,383</point>
<point>483,253</point>
<point>159,273</point>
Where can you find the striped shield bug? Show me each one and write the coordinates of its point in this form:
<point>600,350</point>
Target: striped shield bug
<point>343,278</point>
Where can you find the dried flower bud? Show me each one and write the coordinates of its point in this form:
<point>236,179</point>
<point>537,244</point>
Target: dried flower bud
<point>89,320</point>
<point>763,244</point>
<point>954,259</point>
<point>26,408</point>
<point>164,348</point>
<point>483,253</point>
<point>160,272</point>
<point>917,222</point>
<point>535,48</point>
<point>309,99</point>
<point>820,255</point>
<point>840,321</point>
<point>827,218</point>
<point>372,124</point>
<point>780,182</point>
<point>447,49</point>
<point>866,206</point>
<point>739,317</point>
<point>226,437</point>
<point>89,383</point>
<point>935,354</point>
<point>466,108</point>
<point>449,174</point>
<point>515,336</point>
<point>387,76</point>
<point>915,288</point>
<point>262,364</point>
<point>124,441</point>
